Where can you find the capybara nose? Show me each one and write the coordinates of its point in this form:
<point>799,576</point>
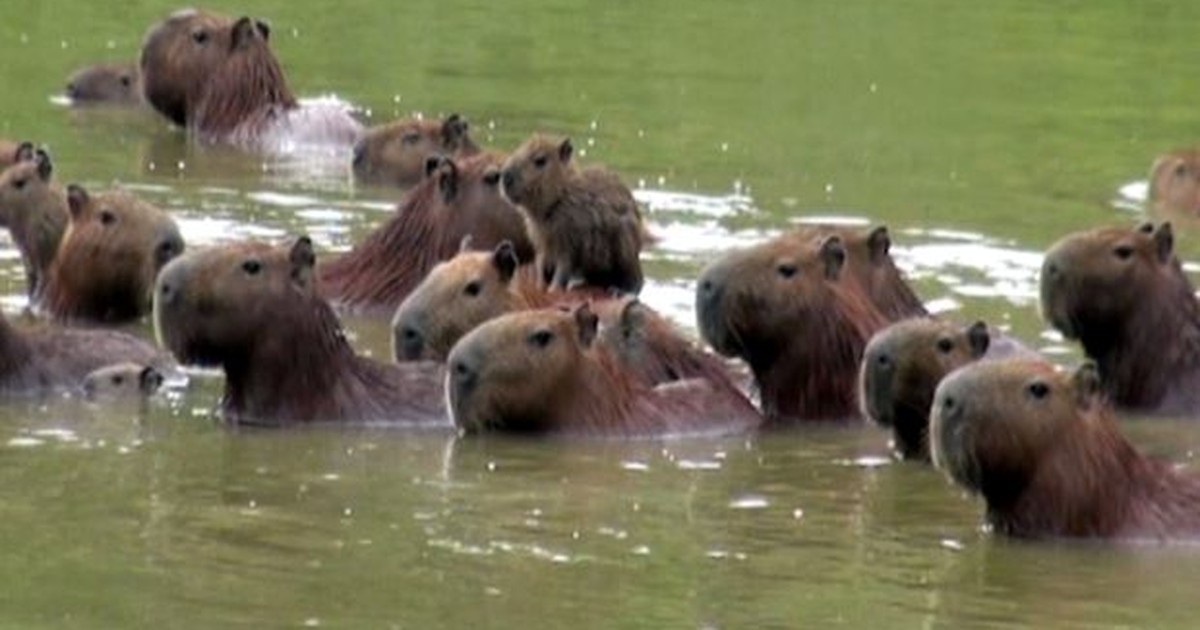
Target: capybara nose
<point>167,249</point>
<point>360,153</point>
<point>1052,270</point>
<point>464,376</point>
<point>509,179</point>
<point>410,343</point>
<point>950,408</point>
<point>72,90</point>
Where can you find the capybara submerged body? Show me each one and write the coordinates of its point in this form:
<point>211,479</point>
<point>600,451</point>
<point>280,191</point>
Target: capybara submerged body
<point>253,310</point>
<point>540,372</point>
<point>34,210</point>
<point>396,154</point>
<point>126,380</point>
<point>1042,448</point>
<point>1122,293</point>
<point>585,224</point>
<point>105,84</point>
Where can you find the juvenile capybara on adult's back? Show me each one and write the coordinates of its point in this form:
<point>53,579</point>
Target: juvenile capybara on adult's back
<point>34,210</point>
<point>105,84</point>
<point>252,310</point>
<point>396,153</point>
<point>585,223</point>
<point>1122,293</point>
<point>1042,448</point>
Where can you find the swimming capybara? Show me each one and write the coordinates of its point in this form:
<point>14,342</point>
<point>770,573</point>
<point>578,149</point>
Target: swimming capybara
<point>252,309</point>
<point>1042,448</point>
<point>34,209</point>
<point>458,199</point>
<point>869,262</point>
<point>585,224</point>
<point>903,364</point>
<point>122,380</point>
<point>396,154</point>
<point>48,358</point>
<point>542,372</point>
<point>105,84</point>
<point>218,78</point>
<point>474,287</point>
<point>104,268</point>
<point>1122,293</point>
<point>1175,185</point>
<point>787,309</point>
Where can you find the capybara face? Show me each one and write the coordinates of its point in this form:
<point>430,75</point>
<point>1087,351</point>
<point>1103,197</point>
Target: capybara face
<point>122,380</point>
<point>1092,282</point>
<point>105,83</point>
<point>1175,184</point>
<point>515,371</point>
<point>901,367</point>
<point>993,422</point>
<point>248,79</point>
<point>179,55</point>
<point>534,175</point>
<point>869,263</point>
<point>397,153</point>
<point>454,298</point>
<point>25,186</point>
<point>210,306</point>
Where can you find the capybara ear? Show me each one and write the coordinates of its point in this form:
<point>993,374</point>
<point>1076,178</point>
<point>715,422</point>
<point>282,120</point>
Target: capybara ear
<point>264,29</point>
<point>504,259</point>
<point>244,31</point>
<point>45,168</point>
<point>633,318</point>
<point>879,243</point>
<point>465,244</point>
<point>588,324</point>
<point>448,180</point>
<point>833,254</point>
<point>24,152</point>
<point>1086,380</point>
<point>1164,242</point>
<point>150,379</point>
<point>978,338</point>
<point>77,200</point>
<point>454,129</point>
<point>303,259</point>
<point>565,150</point>
<point>432,163</point>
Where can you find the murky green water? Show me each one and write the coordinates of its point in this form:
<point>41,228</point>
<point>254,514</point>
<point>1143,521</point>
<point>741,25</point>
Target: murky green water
<point>979,132</point>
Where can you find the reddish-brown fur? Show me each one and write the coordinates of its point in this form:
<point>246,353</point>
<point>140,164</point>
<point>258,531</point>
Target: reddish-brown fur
<point>395,154</point>
<point>246,91</point>
<point>458,199</point>
<point>252,310</point>
<point>105,266</point>
<point>541,372</point>
<point>785,309</point>
<point>34,209</point>
<point>585,224</point>
<point>105,83</point>
<point>1175,185</point>
<point>1122,293</point>
<point>1042,448</point>
<point>177,58</point>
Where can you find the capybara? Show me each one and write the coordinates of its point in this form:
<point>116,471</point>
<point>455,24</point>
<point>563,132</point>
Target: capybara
<point>585,224</point>
<point>457,200</point>
<point>105,84</point>
<point>869,262</point>
<point>785,307</point>
<point>46,358</point>
<point>114,246</point>
<point>218,78</point>
<point>396,154</point>
<point>1042,448</point>
<point>474,287</point>
<point>542,372</point>
<point>252,310</point>
<point>903,364</point>
<point>1122,293</point>
<point>1175,185</point>
<point>34,209</point>
<point>122,380</point>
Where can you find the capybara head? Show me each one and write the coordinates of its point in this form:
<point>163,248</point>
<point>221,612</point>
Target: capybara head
<point>456,296</point>
<point>114,247</point>
<point>105,83</point>
<point>901,367</point>
<point>122,380</point>
<point>397,153</point>
<point>782,307</point>
<point>1175,184</point>
<point>536,173</point>
<point>869,262</point>
<point>179,56</point>
<point>517,371</point>
<point>212,306</point>
<point>246,81</point>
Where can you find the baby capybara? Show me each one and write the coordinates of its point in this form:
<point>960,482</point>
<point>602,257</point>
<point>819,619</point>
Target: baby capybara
<point>34,210</point>
<point>105,84</point>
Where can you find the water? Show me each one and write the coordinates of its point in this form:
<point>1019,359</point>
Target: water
<point>979,132</point>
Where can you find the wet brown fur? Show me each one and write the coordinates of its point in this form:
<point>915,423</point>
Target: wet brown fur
<point>1175,185</point>
<point>178,56</point>
<point>458,199</point>
<point>1043,449</point>
<point>105,83</point>
<point>396,153</point>
<point>251,309</point>
<point>34,209</point>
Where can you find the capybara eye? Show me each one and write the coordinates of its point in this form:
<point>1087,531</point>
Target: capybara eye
<point>107,217</point>
<point>117,380</point>
<point>252,267</point>
<point>200,37</point>
<point>1039,390</point>
<point>410,138</point>
<point>1124,252</point>
<point>1180,169</point>
<point>473,288</point>
<point>945,345</point>
<point>540,161</point>
<point>125,80</point>
<point>786,270</point>
<point>19,184</point>
<point>541,338</point>
<point>491,178</point>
